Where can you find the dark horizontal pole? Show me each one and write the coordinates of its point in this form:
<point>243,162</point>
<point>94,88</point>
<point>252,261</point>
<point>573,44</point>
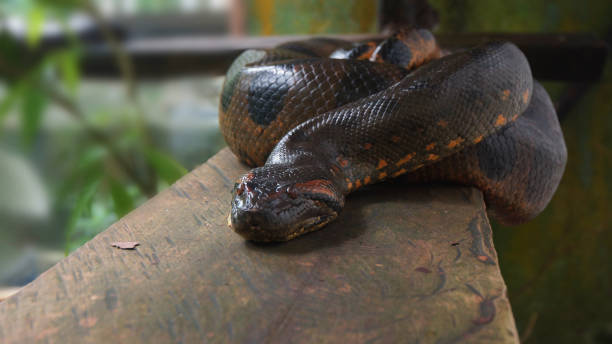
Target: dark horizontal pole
<point>555,57</point>
<point>577,57</point>
<point>182,56</point>
<point>560,57</point>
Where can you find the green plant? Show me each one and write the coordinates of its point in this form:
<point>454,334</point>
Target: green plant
<point>110,171</point>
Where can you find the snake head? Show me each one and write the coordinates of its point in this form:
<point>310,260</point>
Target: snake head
<point>278,204</point>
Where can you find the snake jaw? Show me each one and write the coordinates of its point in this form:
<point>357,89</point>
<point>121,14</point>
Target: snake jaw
<point>264,211</point>
<point>259,234</point>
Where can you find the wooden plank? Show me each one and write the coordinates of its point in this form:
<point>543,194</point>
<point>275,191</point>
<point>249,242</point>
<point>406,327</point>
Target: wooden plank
<point>6,292</point>
<point>401,264</point>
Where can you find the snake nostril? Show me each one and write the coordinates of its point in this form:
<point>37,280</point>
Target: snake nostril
<point>239,189</point>
<point>248,219</point>
<point>250,185</point>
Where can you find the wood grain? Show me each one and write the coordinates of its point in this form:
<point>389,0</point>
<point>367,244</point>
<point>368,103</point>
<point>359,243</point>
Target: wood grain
<point>401,264</point>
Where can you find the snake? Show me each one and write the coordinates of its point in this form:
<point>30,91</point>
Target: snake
<point>321,118</point>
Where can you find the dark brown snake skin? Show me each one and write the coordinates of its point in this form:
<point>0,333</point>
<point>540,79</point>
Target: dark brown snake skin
<point>321,128</point>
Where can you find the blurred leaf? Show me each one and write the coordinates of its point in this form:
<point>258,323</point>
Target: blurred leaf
<point>36,18</point>
<point>91,157</point>
<point>89,168</point>
<point>10,54</point>
<point>123,202</point>
<point>69,68</point>
<point>10,98</point>
<point>81,206</point>
<point>100,216</point>
<point>59,6</point>
<point>167,168</point>
<point>33,104</point>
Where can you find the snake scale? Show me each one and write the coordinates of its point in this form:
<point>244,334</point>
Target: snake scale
<point>321,118</point>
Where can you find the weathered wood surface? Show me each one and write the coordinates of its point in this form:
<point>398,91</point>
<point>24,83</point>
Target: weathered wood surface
<point>401,264</point>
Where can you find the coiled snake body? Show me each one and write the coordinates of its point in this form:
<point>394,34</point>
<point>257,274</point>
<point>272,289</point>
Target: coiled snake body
<point>320,128</point>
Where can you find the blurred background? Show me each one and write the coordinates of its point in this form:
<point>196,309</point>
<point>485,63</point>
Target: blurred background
<point>104,103</point>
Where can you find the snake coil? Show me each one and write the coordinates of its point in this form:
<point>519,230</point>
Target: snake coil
<point>322,118</point>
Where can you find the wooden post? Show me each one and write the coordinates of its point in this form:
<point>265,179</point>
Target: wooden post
<point>401,264</point>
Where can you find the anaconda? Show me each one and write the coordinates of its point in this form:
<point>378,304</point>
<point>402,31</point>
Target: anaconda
<point>321,118</point>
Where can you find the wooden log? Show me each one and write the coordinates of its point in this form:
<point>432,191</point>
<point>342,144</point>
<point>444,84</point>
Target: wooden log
<point>6,292</point>
<point>401,264</point>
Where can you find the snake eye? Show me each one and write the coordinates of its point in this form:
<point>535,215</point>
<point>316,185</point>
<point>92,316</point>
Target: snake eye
<point>291,192</point>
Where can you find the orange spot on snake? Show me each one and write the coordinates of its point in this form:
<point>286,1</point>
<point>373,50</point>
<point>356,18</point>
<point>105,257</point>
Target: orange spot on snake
<point>382,175</point>
<point>478,139</point>
<point>342,162</point>
<point>505,94</point>
<point>402,171</point>
<point>395,139</point>
<point>501,120</point>
<point>526,96</point>
<point>483,258</point>
<point>514,117</point>
<point>367,180</point>
<point>442,123</point>
<point>405,159</point>
<point>357,184</point>
<point>368,53</point>
<point>381,163</point>
<point>430,146</point>
<point>432,157</point>
<point>454,143</point>
<point>367,146</point>
<point>349,185</point>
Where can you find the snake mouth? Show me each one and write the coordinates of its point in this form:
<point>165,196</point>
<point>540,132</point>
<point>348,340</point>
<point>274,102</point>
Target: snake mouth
<point>273,210</point>
<point>258,233</point>
<point>283,218</point>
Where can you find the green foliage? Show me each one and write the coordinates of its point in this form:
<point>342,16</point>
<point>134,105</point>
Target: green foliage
<point>33,105</point>
<point>167,168</point>
<point>11,97</point>
<point>108,175</point>
<point>68,63</point>
<point>82,207</point>
<point>36,17</point>
<point>122,199</point>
